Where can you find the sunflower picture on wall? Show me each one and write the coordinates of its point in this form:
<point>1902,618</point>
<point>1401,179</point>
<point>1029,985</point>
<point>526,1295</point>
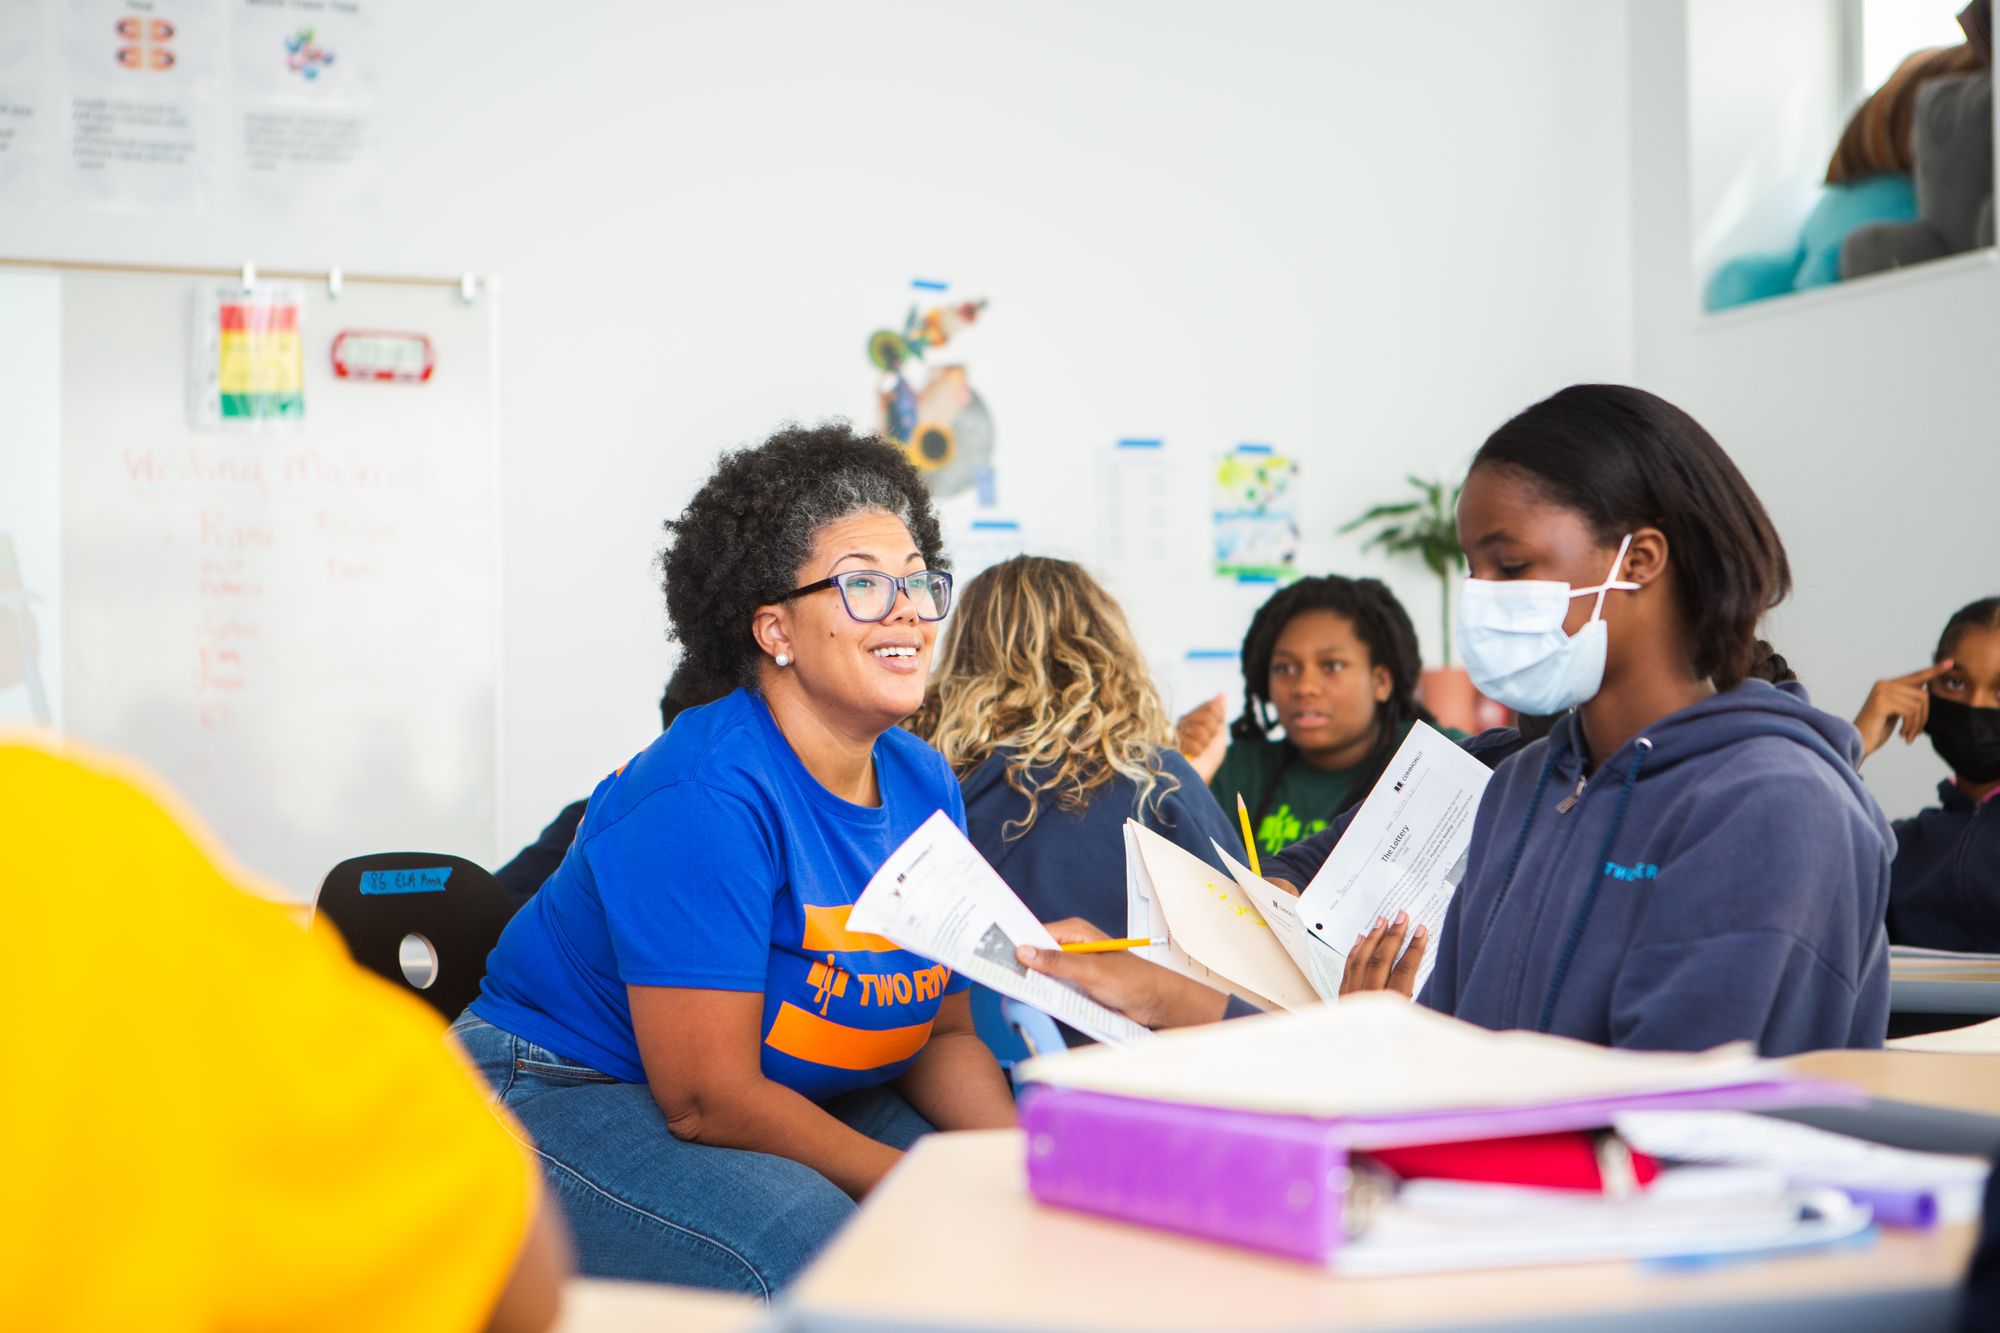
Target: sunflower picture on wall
<point>930,407</point>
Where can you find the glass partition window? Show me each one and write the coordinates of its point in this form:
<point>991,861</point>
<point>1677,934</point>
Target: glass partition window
<point>1830,140</point>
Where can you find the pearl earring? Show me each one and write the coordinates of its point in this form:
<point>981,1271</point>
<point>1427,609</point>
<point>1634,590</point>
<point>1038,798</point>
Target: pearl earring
<point>784,660</point>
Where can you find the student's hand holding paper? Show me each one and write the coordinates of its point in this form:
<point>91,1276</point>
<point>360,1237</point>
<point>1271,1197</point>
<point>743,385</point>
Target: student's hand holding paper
<point>1144,992</point>
<point>1372,963</point>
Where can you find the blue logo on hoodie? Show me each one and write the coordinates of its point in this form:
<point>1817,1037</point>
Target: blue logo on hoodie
<point>1643,870</point>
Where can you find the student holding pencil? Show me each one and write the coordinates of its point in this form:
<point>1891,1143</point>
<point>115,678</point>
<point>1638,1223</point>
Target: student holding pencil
<point>1690,857</point>
<point>1043,706</point>
<point>712,1065</point>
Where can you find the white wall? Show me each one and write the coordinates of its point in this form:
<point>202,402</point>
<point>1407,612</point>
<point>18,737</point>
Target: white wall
<point>1864,415</point>
<point>1362,232</point>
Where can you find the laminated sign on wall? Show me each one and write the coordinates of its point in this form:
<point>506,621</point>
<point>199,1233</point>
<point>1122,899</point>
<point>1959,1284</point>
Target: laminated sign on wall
<point>249,365</point>
<point>1256,519</point>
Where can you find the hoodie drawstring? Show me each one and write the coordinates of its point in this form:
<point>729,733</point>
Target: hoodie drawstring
<point>1521,842</point>
<point>1644,747</point>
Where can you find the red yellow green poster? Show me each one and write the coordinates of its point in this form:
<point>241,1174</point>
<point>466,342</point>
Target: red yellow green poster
<point>250,364</point>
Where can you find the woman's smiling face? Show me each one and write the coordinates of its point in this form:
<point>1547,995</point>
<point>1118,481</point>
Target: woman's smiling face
<point>873,672</point>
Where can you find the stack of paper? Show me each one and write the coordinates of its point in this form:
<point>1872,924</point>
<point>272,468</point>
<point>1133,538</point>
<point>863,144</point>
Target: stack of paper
<point>1905,1188</point>
<point>1911,954</point>
<point>1379,1061</point>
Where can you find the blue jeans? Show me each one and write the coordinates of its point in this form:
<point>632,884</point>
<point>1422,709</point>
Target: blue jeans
<point>641,1203</point>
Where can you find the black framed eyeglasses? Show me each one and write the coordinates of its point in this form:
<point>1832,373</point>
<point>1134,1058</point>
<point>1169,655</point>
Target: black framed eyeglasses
<point>870,595</point>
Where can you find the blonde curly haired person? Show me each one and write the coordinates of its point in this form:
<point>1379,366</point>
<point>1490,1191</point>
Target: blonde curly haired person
<point>1043,706</point>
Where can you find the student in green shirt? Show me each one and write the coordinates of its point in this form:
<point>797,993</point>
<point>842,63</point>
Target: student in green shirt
<point>1333,663</point>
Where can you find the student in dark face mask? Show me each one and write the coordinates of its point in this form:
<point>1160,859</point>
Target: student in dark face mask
<point>1944,890</point>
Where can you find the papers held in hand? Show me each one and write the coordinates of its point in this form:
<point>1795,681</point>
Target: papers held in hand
<point>1215,925</point>
<point>1405,850</point>
<point>936,896</point>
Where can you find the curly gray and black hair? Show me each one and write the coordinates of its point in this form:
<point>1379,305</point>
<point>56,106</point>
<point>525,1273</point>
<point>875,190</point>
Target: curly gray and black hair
<point>744,537</point>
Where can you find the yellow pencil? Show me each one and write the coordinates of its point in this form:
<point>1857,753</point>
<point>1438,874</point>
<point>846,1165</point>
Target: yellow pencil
<point>1249,842</point>
<point>1107,946</point>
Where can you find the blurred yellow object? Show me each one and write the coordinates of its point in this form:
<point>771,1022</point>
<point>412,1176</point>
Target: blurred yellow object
<point>1249,838</point>
<point>212,1118</point>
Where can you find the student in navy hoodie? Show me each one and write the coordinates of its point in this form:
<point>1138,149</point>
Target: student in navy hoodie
<point>1944,890</point>
<point>1687,859</point>
<point>1043,707</point>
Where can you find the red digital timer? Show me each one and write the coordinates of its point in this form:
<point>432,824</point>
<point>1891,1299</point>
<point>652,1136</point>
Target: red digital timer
<point>400,358</point>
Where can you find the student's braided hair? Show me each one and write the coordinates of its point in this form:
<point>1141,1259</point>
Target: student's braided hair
<point>1382,625</point>
<point>1982,614</point>
<point>1767,663</point>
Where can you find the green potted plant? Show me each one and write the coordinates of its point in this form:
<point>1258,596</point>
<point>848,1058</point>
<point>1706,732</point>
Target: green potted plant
<point>1427,527</point>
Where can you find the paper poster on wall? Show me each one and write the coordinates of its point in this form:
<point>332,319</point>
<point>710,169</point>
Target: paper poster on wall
<point>980,541</point>
<point>1136,483</point>
<point>20,104</point>
<point>925,396</point>
<point>1256,521</point>
<point>137,102</point>
<point>1200,674</point>
<point>305,74</point>
<point>249,363</point>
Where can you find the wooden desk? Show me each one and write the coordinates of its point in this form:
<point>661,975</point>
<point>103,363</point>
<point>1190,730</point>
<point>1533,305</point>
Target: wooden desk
<point>953,1240</point>
<point>592,1306</point>
<point>1943,986</point>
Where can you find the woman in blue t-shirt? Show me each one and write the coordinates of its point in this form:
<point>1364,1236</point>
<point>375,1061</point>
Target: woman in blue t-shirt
<point>711,1064</point>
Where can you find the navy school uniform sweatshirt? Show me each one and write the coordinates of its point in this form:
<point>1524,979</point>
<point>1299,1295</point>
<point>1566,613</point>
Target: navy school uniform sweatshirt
<point>1072,862</point>
<point>1944,889</point>
<point>1723,876</point>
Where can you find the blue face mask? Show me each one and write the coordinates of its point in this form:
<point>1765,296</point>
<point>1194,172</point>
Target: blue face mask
<point>1511,632</point>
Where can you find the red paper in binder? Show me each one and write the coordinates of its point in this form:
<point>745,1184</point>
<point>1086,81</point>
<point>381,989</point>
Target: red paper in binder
<point>1598,1163</point>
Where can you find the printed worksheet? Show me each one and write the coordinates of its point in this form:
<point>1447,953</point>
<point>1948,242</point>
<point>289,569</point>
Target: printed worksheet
<point>936,896</point>
<point>1406,849</point>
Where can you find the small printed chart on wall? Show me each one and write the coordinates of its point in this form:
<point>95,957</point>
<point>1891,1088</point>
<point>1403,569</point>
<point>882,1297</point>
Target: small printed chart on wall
<point>278,582</point>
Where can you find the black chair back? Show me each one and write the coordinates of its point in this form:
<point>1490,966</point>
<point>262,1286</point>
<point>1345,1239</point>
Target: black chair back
<point>423,920</point>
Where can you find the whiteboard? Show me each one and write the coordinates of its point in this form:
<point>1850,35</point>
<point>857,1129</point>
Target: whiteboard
<point>296,628</point>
